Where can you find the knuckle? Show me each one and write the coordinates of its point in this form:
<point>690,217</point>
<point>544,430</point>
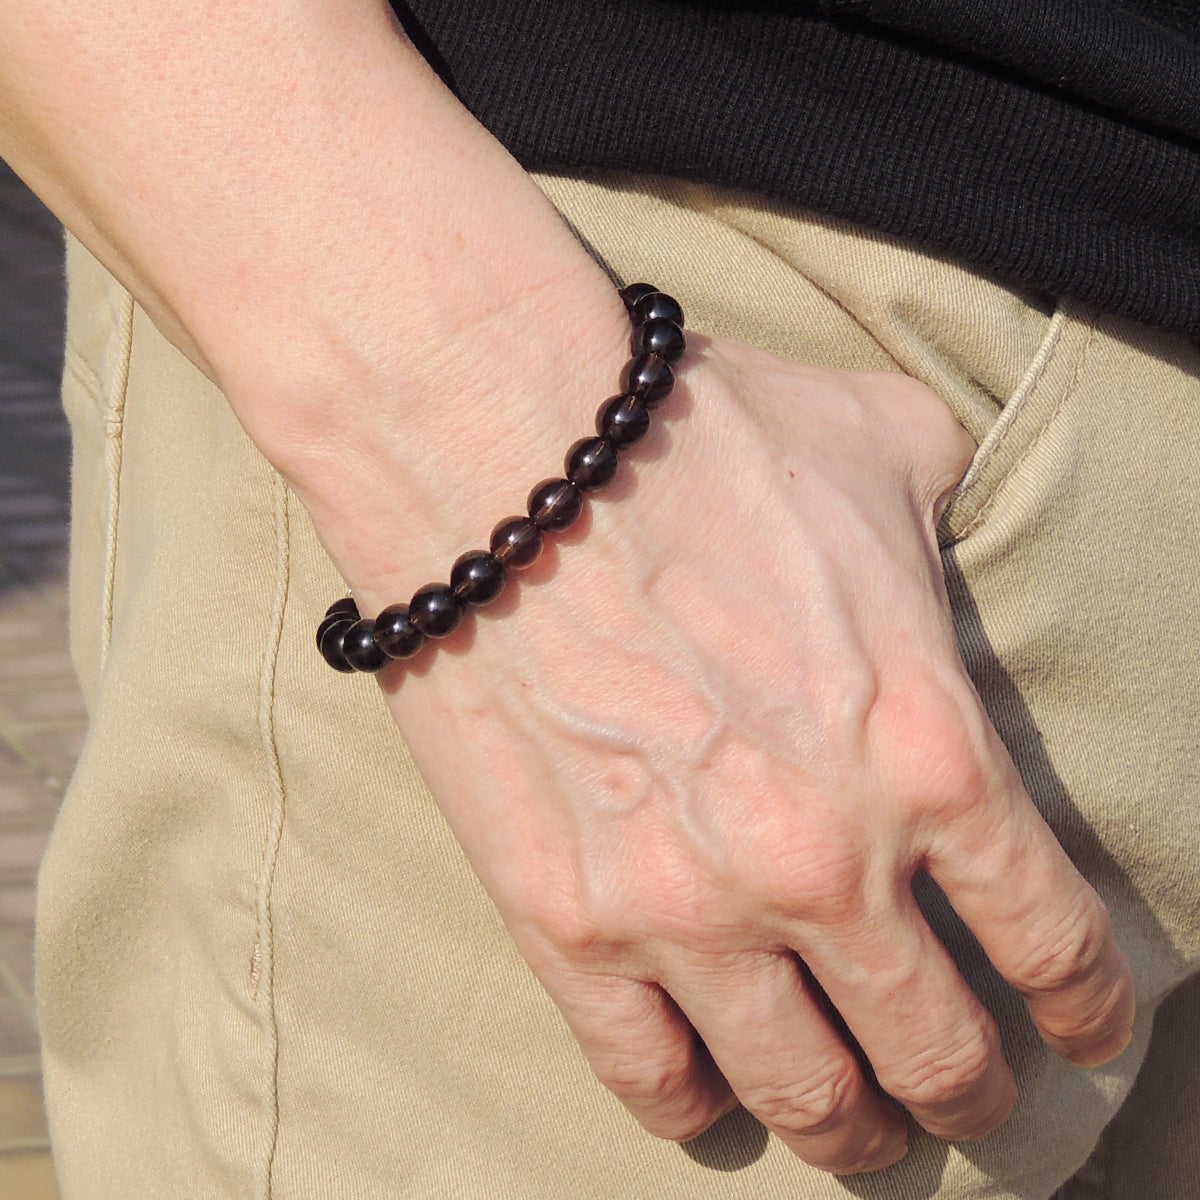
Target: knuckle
<point>949,779</point>
<point>676,908</point>
<point>947,1079</point>
<point>572,931</point>
<point>956,778</point>
<point>813,879</point>
<point>811,1107</point>
<point>1069,953</point>
<point>931,760</point>
<point>647,1084</point>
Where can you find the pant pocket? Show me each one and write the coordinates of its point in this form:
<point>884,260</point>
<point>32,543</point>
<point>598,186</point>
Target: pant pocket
<point>1002,461</point>
<point>95,376</point>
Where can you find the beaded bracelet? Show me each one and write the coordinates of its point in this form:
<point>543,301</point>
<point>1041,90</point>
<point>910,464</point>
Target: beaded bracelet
<point>350,643</point>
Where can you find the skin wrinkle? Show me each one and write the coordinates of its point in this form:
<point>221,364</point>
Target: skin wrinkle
<point>724,726</point>
<point>671,771</point>
<point>675,771</point>
<point>367,176</point>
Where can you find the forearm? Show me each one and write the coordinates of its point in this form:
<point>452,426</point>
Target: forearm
<point>298,201</point>
<point>734,724</point>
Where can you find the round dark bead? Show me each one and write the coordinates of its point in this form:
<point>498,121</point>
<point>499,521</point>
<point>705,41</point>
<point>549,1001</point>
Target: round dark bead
<point>554,504</point>
<point>516,542</point>
<point>395,634</point>
<point>358,645</point>
<point>347,606</point>
<point>477,577</point>
<point>633,292</point>
<point>330,643</point>
<point>622,420</point>
<point>657,306</point>
<point>649,378</point>
<point>338,618</point>
<point>435,610</point>
<point>591,463</point>
<point>663,338</point>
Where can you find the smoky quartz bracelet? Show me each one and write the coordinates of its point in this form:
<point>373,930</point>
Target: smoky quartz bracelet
<point>348,642</point>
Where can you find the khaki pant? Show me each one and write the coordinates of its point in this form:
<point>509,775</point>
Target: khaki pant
<point>265,969</point>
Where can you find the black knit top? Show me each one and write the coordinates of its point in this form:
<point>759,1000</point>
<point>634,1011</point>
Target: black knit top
<point>1054,142</point>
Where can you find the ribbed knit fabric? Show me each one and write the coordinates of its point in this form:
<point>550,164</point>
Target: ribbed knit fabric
<point>1053,142</point>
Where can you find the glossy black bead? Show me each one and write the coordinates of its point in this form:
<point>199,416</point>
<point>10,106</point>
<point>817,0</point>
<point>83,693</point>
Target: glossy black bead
<point>435,610</point>
<point>347,606</point>
<point>656,306</point>
<point>333,631</point>
<point>663,338</point>
<point>633,292</point>
<point>359,648</point>
<point>622,420</point>
<point>591,463</point>
<point>554,504</point>
<point>395,634</point>
<point>338,618</point>
<point>516,542</point>
<point>649,378</point>
<point>477,577</point>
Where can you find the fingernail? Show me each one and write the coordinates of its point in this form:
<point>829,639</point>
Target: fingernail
<point>1103,1052</point>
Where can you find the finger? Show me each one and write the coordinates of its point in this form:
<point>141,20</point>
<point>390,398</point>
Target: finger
<point>786,1063</point>
<point>1041,924</point>
<point>932,1045</point>
<point>644,1051</point>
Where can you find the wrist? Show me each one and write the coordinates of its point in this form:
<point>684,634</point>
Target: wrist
<point>348,641</point>
<point>411,457</point>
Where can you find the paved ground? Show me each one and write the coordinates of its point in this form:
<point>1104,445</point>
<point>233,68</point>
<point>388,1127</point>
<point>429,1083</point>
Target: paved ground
<point>41,714</point>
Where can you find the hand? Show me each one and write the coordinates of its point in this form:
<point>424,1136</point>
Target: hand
<point>713,739</point>
<point>720,732</point>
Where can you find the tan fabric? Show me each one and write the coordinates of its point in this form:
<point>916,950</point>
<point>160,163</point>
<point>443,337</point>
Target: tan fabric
<point>264,967</point>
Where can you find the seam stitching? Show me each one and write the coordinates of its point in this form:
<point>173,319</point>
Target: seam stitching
<point>1020,397</point>
<point>114,447</point>
<point>265,949</point>
<point>982,514</point>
